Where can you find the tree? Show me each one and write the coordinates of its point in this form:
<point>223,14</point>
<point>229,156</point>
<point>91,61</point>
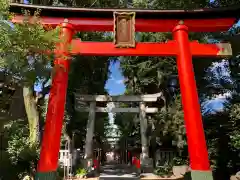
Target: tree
<point>220,126</point>
<point>22,48</point>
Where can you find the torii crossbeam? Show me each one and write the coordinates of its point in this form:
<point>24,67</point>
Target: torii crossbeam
<point>179,22</point>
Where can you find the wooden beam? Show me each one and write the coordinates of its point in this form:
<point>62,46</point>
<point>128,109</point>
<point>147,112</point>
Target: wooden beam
<point>141,25</point>
<point>149,49</point>
<point>121,98</point>
<point>117,110</point>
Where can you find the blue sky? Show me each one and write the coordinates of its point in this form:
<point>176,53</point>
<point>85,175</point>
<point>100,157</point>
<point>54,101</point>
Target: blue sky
<point>115,84</point>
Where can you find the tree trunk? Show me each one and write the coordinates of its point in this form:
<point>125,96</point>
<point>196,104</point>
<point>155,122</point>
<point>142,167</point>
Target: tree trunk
<point>90,132</point>
<point>32,114</point>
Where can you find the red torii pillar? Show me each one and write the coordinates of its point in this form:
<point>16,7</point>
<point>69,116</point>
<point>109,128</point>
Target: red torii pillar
<point>199,162</point>
<point>48,162</point>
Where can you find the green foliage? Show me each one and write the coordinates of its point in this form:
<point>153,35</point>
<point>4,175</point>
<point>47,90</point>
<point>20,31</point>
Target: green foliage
<point>6,167</point>
<point>165,170</point>
<point>81,171</point>
<point>25,53</point>
<point>179,160</point>
<point>128,124</point>
<point>4,5</point>
<point>235,124</point>
<point>23,156</point>
<point>18,143</point>
<point>60,172</point>
<point>24,59</point>
<point>220,129</point>
<point>170,123</point>
<point>23,46</point>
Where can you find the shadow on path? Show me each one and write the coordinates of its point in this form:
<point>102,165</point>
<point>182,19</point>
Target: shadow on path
<point>118,171</point>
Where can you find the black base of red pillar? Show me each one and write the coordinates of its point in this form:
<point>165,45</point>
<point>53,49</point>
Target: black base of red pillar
<point>46,175</point>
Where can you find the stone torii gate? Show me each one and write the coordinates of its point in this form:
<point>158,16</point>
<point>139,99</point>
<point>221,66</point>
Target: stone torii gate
<point>142,110</point>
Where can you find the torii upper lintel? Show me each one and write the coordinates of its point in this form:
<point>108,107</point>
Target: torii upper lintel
<point>87,19</point>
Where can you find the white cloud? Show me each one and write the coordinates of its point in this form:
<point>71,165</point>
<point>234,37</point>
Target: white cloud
<point>223,96</point>
<point>111,78</point>
<point>119,81</point>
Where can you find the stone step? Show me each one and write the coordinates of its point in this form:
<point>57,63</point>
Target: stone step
<point>115,177</point>
<point>118,172</point>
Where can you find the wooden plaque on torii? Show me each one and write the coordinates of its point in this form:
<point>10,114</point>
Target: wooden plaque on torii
<point>124,29</point>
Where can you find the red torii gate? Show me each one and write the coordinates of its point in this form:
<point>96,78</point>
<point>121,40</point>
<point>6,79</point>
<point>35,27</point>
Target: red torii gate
<point>179,22</point>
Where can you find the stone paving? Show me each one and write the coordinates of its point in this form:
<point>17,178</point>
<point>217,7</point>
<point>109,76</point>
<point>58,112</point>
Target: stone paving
<point>118,172</point>
<point>126,172</point>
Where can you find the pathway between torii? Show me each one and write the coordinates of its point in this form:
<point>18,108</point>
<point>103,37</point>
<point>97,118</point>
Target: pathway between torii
<point>113,171</point>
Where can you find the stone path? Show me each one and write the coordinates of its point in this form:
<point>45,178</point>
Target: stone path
<point>118,172</point>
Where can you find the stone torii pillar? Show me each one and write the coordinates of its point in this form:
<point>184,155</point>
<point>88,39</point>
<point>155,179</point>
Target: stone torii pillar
<point>89,136</point>
<point>143,129</point>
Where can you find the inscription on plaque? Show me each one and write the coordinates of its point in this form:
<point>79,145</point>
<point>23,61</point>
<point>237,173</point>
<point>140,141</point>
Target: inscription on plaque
<point>124,29</point>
